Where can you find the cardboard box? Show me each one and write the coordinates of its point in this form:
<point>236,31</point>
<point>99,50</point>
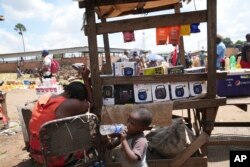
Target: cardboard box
<point>154,71</point>
<point>143,93</point>
<point>57,89</point>
<point>195,70</point>
<point>160,92</point>
<point>179,90</point>
<point>197,87</point>
<point>237,84</point>
<point>108,95</point>
<point>175,70</point>
<point>124,69</point>
<point>124,94</point>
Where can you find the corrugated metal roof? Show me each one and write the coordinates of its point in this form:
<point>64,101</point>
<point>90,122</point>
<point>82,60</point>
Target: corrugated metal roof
<point>58,51</point>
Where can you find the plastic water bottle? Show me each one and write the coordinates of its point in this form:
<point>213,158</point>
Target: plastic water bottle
<point>227,64</point>
<point>110,129</point>
<point>232,62</point>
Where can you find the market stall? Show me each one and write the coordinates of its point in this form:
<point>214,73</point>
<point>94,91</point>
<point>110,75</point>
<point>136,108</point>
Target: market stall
<point>112,8</point>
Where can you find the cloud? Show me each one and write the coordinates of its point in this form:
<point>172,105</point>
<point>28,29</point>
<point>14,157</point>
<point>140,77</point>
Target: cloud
<point>10,42</point>
<point>27,9</point>
<point>63,20</point>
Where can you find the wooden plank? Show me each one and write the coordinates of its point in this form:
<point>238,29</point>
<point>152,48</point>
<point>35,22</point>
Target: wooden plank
<point>238,100</point>
<point>94,63</point>
<point>211,46</point>
<point>191,162</point>
<point>181,43</point>
<point>83,4</point>
<point>232,124</point>
<point>201,103</point>
<point>229,143</point>
<point>151,22</point>
<point>111,80</point>
<point>107,51</point>
<point>190,150</point>
<point>143,11</point>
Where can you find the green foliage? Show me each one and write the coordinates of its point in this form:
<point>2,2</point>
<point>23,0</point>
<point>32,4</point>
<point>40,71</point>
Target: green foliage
<point>228,42</point>
<point>20,28</point>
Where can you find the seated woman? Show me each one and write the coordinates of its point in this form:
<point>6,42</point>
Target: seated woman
<point>76,99</point>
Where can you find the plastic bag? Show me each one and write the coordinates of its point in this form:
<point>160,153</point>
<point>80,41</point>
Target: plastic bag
<point>174,35</point>
<point>128,36</point>
<point>170,141</point>
<point>162,35</point>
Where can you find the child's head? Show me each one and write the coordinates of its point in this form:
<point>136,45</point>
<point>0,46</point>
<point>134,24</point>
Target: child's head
<point>139,120</point>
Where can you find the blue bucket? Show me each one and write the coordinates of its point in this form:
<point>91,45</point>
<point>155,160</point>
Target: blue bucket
<point>26,82</point>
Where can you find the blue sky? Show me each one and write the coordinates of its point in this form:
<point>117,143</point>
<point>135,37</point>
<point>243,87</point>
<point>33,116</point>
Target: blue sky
<point>53,24</point>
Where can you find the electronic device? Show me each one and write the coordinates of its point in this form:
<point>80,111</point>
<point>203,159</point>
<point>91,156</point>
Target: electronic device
<point>142,94</point>
<point>160,92</point>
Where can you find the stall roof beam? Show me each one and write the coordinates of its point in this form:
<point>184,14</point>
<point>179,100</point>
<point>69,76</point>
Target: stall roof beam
<point>151,22</point>
<point>84,4</point>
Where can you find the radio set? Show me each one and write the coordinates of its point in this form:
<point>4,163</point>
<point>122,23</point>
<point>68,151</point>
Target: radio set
<point>128,71</point>
<point>197,88</point>
<point>124,94</point>
<point>179,91</point>
<point>107,92</point>
<point>124,68</point>
<point>142,94</point>
<point>160,92</point>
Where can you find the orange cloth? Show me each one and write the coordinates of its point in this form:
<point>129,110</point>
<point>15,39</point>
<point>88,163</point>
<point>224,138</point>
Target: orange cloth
<point>43,112</point>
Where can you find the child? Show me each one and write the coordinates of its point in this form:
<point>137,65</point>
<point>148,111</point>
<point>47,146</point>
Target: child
<point>133,142</point>
<point>19,72</point>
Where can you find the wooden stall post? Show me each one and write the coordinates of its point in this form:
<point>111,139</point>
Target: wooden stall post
<point>107,51</point>
<point>210,113</point>
<point>181,43</point>
<point>93,56</point>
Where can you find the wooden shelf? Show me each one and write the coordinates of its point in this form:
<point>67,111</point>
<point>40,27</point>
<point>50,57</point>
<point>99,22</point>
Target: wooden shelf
<point>199,103</point>
<point>111,80</point>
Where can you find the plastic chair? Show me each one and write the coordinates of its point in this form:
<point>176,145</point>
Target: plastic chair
<point>67,135</point>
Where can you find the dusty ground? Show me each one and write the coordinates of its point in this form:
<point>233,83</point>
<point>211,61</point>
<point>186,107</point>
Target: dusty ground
<point>11,147</point>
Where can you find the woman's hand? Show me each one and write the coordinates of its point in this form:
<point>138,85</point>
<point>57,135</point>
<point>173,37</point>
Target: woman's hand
<point>85,73</point>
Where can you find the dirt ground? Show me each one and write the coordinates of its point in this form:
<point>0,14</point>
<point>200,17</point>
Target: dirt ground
<point>11,147</point>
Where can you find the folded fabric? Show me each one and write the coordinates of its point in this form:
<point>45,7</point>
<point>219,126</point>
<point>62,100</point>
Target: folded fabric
<point>195,28</point>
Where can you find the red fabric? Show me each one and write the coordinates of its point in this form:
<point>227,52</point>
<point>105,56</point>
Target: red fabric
<point>43,112</point>
<point>244,64</point>
<point>174,57</point>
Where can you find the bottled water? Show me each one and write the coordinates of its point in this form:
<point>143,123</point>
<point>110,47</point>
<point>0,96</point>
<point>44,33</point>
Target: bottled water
<point>110,129</point>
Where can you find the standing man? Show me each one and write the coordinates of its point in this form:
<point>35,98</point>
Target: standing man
<point>220,52</point>
<point>245,54</point>
<point>46,67</point>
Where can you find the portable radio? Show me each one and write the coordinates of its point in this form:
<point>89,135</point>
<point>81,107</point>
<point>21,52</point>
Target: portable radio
<point>160,92</point>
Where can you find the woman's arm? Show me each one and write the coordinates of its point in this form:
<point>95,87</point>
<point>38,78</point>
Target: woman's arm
<point>85,76</point>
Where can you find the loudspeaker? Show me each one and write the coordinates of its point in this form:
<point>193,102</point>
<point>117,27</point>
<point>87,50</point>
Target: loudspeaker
<point>179,91</point>
<point>107,92</point>
<point>128,71</point>
<point>160,92</point>
<point>124,94</point>
<point>142,94</point>
<point>197,88</point>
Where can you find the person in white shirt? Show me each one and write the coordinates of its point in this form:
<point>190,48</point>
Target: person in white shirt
<point>46,67</point>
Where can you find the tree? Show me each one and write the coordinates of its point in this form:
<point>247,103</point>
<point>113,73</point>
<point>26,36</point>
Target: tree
<point>238,44</point>
<point>20,28</point>
<point>228,42</point>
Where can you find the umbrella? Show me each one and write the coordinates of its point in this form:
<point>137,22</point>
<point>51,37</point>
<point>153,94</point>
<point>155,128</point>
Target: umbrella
<point>154,57</point>
<point>123,58</point>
